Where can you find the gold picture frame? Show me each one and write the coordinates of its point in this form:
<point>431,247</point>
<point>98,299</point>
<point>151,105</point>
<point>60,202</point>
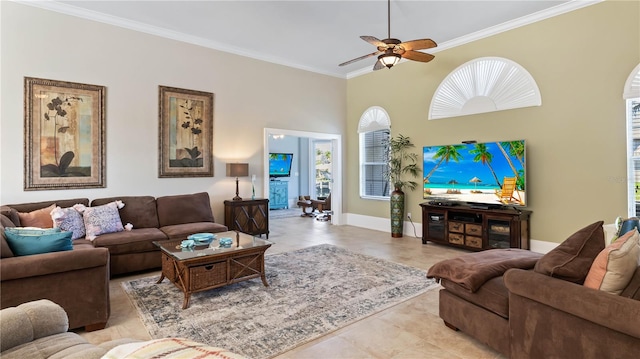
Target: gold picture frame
<point>186,133</point>
<point>64,135</point>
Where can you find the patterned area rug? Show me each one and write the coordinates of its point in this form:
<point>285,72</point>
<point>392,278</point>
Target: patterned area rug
<point>311,292</point>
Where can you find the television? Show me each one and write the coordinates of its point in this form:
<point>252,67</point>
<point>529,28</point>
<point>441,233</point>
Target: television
<point>477,174</point>
<point>280,164</point>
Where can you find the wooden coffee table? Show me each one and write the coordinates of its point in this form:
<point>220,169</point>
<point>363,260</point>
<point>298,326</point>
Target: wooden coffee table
<point>205,267</point>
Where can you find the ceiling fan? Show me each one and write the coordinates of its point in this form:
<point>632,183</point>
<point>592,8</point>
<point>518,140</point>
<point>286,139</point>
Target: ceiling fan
<point>392,50</point>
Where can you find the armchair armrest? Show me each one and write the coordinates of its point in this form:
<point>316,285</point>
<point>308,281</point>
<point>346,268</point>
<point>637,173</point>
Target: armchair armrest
<point>30,321</point>
<point>81,257</point>
<point>605,309</point>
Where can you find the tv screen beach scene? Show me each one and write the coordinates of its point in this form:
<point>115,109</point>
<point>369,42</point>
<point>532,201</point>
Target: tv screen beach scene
<point>280,164</point>
<point>488,173</point>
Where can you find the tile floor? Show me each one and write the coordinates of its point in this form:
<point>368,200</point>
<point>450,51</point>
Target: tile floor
<point>411,329</point>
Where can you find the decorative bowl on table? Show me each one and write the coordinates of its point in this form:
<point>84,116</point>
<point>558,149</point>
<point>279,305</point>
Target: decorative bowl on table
<point>202,238</point>
<point>225,242</point>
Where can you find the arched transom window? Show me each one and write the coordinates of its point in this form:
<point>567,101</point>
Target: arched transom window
<point>485,84</point>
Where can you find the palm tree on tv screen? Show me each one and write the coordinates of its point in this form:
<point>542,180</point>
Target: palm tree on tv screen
<point>483,155</point>
<point>445,154</point>
<point>516,149</point>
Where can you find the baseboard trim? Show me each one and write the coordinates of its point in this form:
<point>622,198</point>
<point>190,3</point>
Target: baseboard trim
<point>382,224</point>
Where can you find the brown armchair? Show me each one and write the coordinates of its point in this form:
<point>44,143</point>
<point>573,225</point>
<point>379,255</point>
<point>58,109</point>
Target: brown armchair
<point>323,206</point>
<point>305,202</point>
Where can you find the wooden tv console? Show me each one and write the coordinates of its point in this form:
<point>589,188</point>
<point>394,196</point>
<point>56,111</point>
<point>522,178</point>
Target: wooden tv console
<point>475,228</point>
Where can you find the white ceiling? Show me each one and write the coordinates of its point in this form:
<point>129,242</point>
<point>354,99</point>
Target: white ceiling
<point>314,35</point>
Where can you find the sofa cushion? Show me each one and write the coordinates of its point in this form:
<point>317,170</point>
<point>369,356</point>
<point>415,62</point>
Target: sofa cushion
<point>30,321</point>
<point>140,211</point>
<point>135,241</point>
<point>188,208</point>
<point>25,242</point>
<point>182,231</point>
<point>614,266</point>
<point>40,218</point>
<point>492,296</point>
<point>102,219</point>
<point>572,259</point>
<point>69,219</point>
<point>61,345</point>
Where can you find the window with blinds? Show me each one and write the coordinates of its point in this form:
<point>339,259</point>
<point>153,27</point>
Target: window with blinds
<point>631,93</point>
<point>634,114</point>
<point>374,129</point>
<point>373,164</point>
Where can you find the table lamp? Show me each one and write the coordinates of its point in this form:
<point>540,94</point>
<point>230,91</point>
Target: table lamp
<point>237,170</point>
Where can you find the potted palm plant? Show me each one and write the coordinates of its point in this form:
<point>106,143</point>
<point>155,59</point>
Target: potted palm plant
<point>400,162</point>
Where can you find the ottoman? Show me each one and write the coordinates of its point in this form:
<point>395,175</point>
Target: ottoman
<point>475,299</point>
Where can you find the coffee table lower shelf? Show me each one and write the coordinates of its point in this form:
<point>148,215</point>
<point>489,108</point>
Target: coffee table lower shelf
<point>213,271</point>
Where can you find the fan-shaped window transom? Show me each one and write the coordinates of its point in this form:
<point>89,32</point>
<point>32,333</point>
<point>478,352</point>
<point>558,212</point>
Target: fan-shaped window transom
<point>632,86</point>
<point>485,84</point>
<point>373,119</point>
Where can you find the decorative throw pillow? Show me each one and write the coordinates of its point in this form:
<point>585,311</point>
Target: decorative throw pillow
<point>102,219</point>
<point>40,218</point>
<point>69,219</point>
<point>28,241</point>
<point>615,265</point>
<point>572,259</point>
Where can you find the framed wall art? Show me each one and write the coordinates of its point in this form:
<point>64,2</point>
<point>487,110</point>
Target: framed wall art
<point>186,133</point>
<point>64,135</point>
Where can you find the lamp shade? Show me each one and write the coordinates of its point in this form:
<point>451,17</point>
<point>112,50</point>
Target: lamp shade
<point>237,169</point>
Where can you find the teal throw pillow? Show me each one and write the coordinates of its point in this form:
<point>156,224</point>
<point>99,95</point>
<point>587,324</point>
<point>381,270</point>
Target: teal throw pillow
<point>24,242</point>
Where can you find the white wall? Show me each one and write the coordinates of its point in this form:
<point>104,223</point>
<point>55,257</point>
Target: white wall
<point>249,96</point>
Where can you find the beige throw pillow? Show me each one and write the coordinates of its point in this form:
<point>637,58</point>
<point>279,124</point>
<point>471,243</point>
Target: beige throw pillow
<point>615,265</point>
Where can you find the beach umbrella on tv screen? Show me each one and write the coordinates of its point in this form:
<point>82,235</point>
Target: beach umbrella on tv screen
<point>475,181</point>
<point>453,182</point>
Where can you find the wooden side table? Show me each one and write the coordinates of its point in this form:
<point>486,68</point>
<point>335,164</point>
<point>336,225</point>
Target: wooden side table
<point>249,216</point>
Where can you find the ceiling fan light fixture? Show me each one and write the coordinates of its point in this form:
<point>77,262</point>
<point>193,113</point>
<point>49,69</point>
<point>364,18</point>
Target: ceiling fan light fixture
<point>389,60</point>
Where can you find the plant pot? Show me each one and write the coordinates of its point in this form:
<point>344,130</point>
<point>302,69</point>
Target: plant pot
<point>397,213</point>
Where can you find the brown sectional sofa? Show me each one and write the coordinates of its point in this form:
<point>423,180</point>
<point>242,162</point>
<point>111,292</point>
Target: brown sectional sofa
<point>78,280</point>
<point>525,314</point>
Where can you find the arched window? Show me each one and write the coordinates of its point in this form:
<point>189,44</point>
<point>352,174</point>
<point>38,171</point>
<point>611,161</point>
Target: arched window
<point>374,129</point>
<point>631,94</point>
<point>486,84</point>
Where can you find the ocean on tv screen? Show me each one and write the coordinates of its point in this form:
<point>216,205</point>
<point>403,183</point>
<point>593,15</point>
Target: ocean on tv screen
<point>491,172</point>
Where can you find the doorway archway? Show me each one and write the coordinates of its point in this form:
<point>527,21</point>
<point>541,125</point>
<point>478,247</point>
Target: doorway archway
<point>336,165</point>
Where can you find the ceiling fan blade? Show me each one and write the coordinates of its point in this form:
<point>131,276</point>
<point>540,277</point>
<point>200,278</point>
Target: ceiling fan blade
<point>374,41</point>
<point>359,58</point>
<point>379,65</point>
<point>417,56</point>
<point>420,44</point>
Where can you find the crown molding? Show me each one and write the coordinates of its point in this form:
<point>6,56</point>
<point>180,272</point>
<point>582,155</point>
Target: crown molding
<point>196,40</point>
<point>494,30</point>
<point>165,33</point>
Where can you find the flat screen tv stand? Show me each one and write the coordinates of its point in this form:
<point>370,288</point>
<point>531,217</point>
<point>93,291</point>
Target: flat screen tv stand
<point>475,228</point>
